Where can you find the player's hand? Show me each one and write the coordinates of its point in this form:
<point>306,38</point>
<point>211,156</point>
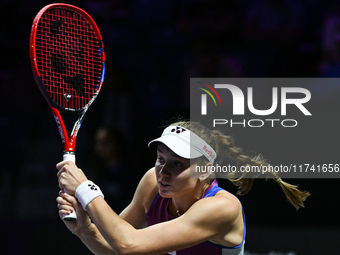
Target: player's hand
<point>69,176</point>
<point>66,204</point>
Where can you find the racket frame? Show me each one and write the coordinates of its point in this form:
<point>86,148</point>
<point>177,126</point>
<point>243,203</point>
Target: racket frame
<point>68,142</point>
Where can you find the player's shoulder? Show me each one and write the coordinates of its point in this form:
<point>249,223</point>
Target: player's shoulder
<point>222,214</point>
<point>223,206</point>
<point>149,179</point>
<point>147,188</point>
<point>229,202</point>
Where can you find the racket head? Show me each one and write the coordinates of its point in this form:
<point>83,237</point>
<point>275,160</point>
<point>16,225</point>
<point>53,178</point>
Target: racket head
<point>67,57</point>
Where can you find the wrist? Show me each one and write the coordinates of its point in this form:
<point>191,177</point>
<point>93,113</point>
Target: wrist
<point>86,192</point>
<point>87,232</point>
<point>81,229</point>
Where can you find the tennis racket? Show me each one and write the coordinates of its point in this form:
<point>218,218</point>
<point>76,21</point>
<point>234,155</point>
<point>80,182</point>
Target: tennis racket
<point>68,63</point>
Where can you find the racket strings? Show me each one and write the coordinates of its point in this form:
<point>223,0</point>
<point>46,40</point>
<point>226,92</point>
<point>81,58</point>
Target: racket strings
<point>68,56</point>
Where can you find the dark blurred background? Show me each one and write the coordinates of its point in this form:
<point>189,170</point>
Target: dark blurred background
<point>152,49</point>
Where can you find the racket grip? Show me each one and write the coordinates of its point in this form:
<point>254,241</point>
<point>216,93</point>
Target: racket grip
<point>70,217</point>
<point>70,156</point>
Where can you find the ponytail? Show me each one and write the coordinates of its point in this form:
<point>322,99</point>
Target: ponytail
<point>293,194</point>
<point>225,147</point>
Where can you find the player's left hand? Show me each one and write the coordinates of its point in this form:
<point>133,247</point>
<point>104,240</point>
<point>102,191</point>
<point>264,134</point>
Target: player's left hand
<point>69,176</point>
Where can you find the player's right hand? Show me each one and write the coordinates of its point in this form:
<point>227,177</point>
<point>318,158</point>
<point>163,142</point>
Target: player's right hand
<point>66,204</point>
<point>69,176</point>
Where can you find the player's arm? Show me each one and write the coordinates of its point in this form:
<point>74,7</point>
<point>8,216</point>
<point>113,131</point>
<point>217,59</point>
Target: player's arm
<point>133,214</point>
<point>210,218</point>
<point>82,227</point>
<point>145,193</point>
<point>94,241</point>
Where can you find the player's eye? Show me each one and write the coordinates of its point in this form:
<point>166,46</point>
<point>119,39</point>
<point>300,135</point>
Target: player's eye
<point>160,159</point>
<point>178,164</point>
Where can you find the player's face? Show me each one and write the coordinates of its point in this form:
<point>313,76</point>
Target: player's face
<point>173,173</point>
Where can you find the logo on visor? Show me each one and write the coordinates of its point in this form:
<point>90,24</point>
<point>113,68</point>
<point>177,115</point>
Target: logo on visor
<point>178,130</point>
<point>211,153</point>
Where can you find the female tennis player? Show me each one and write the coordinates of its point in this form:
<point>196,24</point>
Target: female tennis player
<point>174,210</point>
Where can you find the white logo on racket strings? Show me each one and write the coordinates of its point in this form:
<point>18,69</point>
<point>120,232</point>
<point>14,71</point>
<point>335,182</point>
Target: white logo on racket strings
<point>68,96</point>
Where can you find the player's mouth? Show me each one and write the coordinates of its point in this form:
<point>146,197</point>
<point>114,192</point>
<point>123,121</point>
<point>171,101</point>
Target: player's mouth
<point>163,184</point>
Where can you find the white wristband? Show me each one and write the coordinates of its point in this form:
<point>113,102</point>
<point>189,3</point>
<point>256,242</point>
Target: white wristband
<point>86,192</point>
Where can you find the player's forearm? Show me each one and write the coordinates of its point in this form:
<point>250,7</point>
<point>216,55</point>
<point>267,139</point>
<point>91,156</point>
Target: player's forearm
<point>94,241</point>
<point>118,233</point>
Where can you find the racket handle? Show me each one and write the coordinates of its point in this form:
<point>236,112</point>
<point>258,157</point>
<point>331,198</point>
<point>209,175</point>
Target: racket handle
<point>70,217</point>
<point>70,156</point>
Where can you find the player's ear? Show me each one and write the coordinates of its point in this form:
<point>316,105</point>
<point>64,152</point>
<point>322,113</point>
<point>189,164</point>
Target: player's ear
<point>205,174</point>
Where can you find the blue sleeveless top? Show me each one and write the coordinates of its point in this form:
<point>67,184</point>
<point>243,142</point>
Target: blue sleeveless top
<point>158,212</point>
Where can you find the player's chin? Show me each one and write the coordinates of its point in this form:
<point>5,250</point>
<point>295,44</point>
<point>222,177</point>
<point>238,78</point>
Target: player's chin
<point>166,191</point>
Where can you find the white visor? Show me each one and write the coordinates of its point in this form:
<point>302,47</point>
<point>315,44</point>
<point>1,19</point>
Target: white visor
<point>185,143</point>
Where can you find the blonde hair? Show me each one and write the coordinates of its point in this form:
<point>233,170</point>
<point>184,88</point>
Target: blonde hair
<point>226,150</point>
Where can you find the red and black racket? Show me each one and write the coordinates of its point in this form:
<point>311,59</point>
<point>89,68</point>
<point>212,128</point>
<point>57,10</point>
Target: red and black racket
<point>68,63</point>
